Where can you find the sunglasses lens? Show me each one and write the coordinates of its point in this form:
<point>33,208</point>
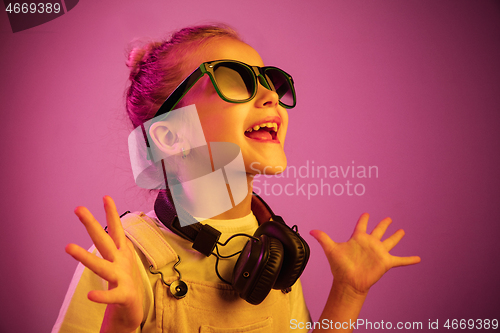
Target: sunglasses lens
<point>282,85</point>
<point>234,81</point>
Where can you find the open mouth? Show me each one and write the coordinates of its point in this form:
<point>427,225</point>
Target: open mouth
<point>264,132</point>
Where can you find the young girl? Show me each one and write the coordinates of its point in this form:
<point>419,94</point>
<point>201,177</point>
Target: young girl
<point>121,287</point>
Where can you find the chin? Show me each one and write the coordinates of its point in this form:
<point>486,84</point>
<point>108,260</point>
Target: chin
<point>259,168</point>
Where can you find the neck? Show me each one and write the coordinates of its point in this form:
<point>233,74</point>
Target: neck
<point>238,211</point>
<point>214,199</point>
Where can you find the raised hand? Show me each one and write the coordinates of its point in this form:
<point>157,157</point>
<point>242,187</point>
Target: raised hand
<point>364,258</point>
<point>118,266</point>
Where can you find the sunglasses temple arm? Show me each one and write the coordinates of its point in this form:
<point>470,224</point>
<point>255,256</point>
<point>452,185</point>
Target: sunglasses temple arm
<point>175,97</point>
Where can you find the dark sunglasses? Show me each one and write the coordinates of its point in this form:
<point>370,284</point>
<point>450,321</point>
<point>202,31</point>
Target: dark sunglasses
<point>236,82</point>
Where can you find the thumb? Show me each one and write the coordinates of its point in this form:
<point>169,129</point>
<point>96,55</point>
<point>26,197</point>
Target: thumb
<point>323,239</point>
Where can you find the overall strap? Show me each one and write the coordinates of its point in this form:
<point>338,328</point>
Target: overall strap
<point>145,235</point>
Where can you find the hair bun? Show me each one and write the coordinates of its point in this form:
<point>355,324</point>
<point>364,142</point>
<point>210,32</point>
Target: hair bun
<point>139,56</point>
<point>135,59</point>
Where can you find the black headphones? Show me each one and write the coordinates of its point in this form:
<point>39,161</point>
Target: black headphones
<point>273,258</point>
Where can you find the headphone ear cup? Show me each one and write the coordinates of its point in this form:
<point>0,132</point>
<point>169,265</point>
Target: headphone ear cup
<point>257,269</point>
<point>296,251</point>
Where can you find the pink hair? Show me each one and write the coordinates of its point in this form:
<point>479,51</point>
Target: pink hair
<point>157,68</point>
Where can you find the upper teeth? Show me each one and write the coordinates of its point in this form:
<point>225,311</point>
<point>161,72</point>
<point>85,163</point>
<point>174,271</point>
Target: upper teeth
<point>273,126</point>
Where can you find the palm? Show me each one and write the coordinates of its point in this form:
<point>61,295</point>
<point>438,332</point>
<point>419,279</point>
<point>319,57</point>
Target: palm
<point>364,258</point>
<point>118,266</point>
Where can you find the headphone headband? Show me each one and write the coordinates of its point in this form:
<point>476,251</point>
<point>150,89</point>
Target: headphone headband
<point>203,236</point>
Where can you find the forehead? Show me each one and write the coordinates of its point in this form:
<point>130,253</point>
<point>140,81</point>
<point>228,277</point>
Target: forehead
<point>226,48</point>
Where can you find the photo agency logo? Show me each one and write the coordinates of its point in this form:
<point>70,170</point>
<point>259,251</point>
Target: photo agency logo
<point>29,14</point>
<point>204,178</point>
<point>311,180</point>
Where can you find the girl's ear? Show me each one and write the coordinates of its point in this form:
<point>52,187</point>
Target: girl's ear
<point>166,140</point>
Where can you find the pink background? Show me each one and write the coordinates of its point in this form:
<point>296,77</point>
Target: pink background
<point>412,87</point>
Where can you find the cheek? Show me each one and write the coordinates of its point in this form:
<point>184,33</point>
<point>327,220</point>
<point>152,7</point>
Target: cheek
<point>283,113</point>
<point>216,123</point>
<point>207,102</point>
<point>208,124</point>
